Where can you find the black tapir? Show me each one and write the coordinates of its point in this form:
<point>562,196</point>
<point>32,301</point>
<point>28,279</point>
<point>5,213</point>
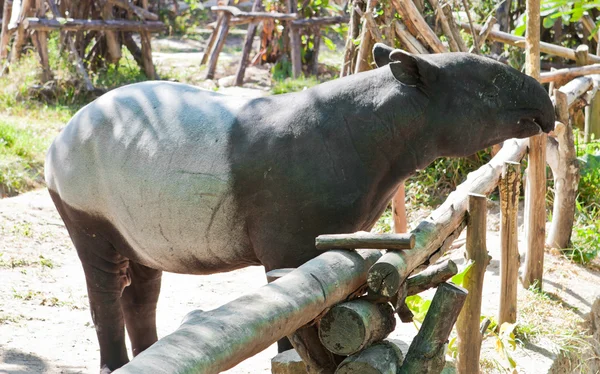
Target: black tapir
<point>161,176</point>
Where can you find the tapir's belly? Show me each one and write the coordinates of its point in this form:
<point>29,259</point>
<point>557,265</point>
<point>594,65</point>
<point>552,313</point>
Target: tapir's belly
<point>153,161</point>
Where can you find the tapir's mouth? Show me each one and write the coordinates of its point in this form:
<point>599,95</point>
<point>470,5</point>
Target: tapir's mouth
<point>531,126</point>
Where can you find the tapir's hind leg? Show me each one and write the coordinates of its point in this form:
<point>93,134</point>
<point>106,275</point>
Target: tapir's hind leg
<point>139,306</point>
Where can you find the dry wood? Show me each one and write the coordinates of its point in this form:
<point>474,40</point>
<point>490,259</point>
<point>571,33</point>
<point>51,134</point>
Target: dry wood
<point>5,34</point>
<point>565,171</point>
<point>519,41</point>
<point>408,40</point>
<point>432,233</point>
<point>352,326</point>
<point>366,42</point>
<point>353,32</point>
<point>589,25</point>
<point>509,241</point>
<point>295,42</point>
<point>363,239</point>
<point>473,33</point>
<point>251,32</point>
<point>427,351</point>
<point>21,9</point>
<point>408,10</point>
<point>222,32</point>
<point>113,46</point>
<point>568,74</point>
<point>467,325</point>
<point>484,32</point>
<point>576,88</point>
<point>69,24</point>
<point>149,69</point>
<point>255,16</point>
<point>314,63</point>
<point>447,10</point>
<point>373,27</point>
<point>212,39</point>
<point>592,115</point>
<point>431,277</point>
<point>399,210</point>
<point>441,16</point>
<point>320,21</point>
<point>214,341</point>
<point>40,42</point>
<point>582,55</point>
<point>380,358</point>
<point>316,357</point>
<point>141,13</point>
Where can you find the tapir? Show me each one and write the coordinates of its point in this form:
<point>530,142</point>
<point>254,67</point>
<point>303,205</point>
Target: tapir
<point>161,176</point>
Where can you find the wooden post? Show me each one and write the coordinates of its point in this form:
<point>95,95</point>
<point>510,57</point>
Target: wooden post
<point>412,44</point>
<point>509,241</point>
<point>149,69</point>
<point>220,42</point>
<point>352,326</point>
<point>295,42</point>
<point>112,41</point>
<point>314,64</point>
<point>382,357</point>
<point>427,350</point>
<point>473,33</point>
<point>446,26</point>
<point>5,35</point>
<point>353,32</point>
<point>399,210</point>
<point>535,194</point>
<point>213,38</point>
<point>467,325</point>
<point>24,9</point>
<point>241,71</point>
<point>592,116</point>
<point>582,53</point>
<point>40,42</point>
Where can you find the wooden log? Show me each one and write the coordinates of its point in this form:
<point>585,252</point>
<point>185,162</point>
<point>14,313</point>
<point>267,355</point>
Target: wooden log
<point>214,341</point>
<point>484,32</point>
<point>592,115</point>
<point>149,69</point>
<point>135,50</point>
<point>467,325</point>
<point>275,274</point>
<point>384,357</point>
<point>408,40</point>
<point>509,241</point>
<point>569,74</point>
<point>408,10</point>
<point>255,16</point>
<point>141,13</point>
<point>316,357</point>
<point>213,38</point>
<point>577,88</point>
<point>314,63</point>
<point>582,55</point>
<point>250,33</point>
<point>366,41</point>
<point>427,350</point>
<point>535,192</point>
<point>40,42</point>
<point>5,34</point>
<point>320,21</point>
<point>431,277</point>
<point>295,42</point>
<point>399,210</point>
<point>431,233</point>
<point>353,32</point>
<point>363,239</point>
<point>373,27</point>
<point>447,9</point>
<point>113,45</point>
<point>222,32</point>
<point>519,41</point>
<point>590,26</point>
<point>352,326</point>
<point>566,176</point>
<point>441,16</point>
<point>69,24</point>
<point>21,9</point>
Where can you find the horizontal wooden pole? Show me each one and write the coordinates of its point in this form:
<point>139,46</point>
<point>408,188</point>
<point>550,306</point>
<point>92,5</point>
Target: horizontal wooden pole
<point>235,12</point>
<point>365,240</point>
<point>576,88</point>
<point>519,41</point>
<point>320,21</point>
<point>69,24</point>
<point>431,277</point>
<point>216,340</point>
<point>568,74</point>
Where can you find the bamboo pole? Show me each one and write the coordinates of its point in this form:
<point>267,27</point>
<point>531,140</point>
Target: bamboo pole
<point>467,325</point>
<point>214,341</point>
<point>509,241</point>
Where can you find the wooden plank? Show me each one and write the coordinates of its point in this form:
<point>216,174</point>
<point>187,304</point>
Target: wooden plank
<point>467,325</point>
<point>220,42</point>
<point>214,341</point>
<point>363,239</point>
<point>407,9</point>
<point>69,24</point>
<point>509,241</point>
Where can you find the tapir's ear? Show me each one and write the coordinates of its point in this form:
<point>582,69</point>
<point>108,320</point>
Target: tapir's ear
<point>412,70</point>
<point>381,54</point>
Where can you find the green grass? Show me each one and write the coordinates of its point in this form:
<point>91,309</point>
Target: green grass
<point>293,85</point>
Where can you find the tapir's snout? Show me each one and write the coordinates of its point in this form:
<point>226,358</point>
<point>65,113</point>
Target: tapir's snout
<point>548,116</point>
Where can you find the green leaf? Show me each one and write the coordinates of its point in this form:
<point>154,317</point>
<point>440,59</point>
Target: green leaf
<point>418,306</point>
<point>549,22</point>
<point>329,43</point>
<point>459,279</point>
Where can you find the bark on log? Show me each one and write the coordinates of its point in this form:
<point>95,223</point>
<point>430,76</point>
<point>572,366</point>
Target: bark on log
<point>316,357</point>
<point>431,233</point>
<point>212,39</point>
<point>112,42</point>
<point>256,16</point>
<point>535,192</point>
<point>485,32</point>
<point>576,88</point>
<point>569,74</point>
<point>381,358</point>
<point>427,351</point>
<point>412,44</point>
<point>40,43</point>
<point>221,32</point>
<point>352,326</point>
<point>447,9</point>
<point>214,341</point>
<point>399,210</point>
<point>69,24</point>
<point>566,176</point>
<point>373,27</point>
<point>473,33</point>
<point>509,242</point>
<point>5,34</point>
<point>408,10</point>
<point>431,277</point>
<point>149,69</point>
<point>582,55</point>
<point>519,41</point>
<point>363,239</point>
<point>467,325</point>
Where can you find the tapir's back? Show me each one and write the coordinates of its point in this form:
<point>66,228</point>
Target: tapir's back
<point>152,159</point>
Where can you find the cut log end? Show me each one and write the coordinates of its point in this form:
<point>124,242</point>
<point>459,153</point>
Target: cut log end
<point>380,358</point>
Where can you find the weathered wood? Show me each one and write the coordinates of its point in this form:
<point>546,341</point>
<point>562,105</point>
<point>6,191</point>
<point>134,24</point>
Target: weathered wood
<point>431,277</point>
<point>565,170</point>
<point>484,32</point>
<point>447,10</point>
<point>363,239</point>
<point>5,34</point>
<point>407,9</point>
<point>141,13</point>
<point>431,233</point>
<point>222,32</point>
<point>408,40</point>
<point>69,24</point>
<point>592,115</point>
<point>589,25</point>
<point>467,325</point>
<point>149,69</point>
<point>427,350</point>
<point>373,27</point>
<point>473,33</point>
<point>250,33</point>
<point>509,241</point>
<point>366,41</point>
<point>353,32</point>
<point>582,55</point>
<point>381,358</point>
<point>576,88</point>
<point>278,273</point>
<point>213,38</point>
<point>352,326</point>
<point>256,16</point>
<point>568,74</point>
<point>320,21</point>
<point>441,16</point>
<point>295,42</point>
<point>21,9</point>
<point>316,357</point>
<point>535,191</point>
<point>314,63</point>
<point>519,41</point>
<point>214,341</point>
<point>40,42</point>
<point>399,210</point>
<point>113,46</point>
